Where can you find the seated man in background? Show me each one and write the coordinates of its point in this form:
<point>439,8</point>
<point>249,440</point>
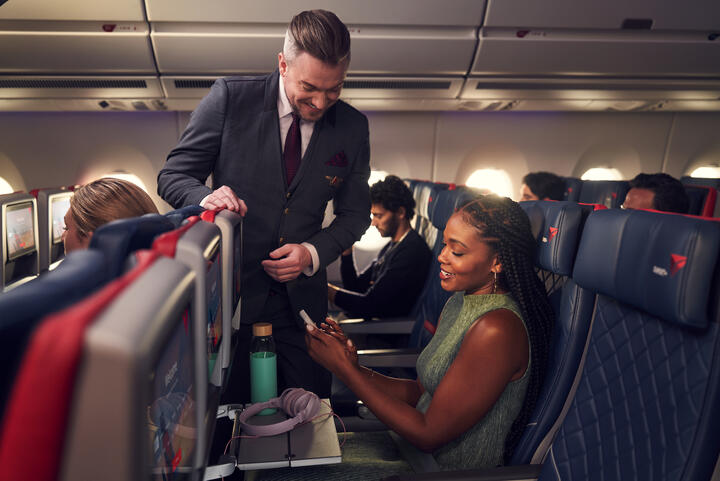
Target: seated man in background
<point>98,203</point>
<point>657,191</point>
<point>392,283</point>
<point>542,186</point>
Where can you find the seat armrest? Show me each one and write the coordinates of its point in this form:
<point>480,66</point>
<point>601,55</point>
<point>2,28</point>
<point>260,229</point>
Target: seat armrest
<point>385,325</point>
<point>389,357</point>
<point>525,472</point>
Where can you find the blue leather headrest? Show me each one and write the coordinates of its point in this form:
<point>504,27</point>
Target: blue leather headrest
<point>557,227</point>
<point>177,216</point>
<point>610,193</point>
<point>120,238</point>
<point>447,202</point>
<point>661,264</point>
<point>573,186</point>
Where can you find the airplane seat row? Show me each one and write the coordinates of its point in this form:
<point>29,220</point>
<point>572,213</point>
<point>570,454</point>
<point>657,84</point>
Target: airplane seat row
<point>646,402</point>
<point>84,306</point>
<point>702,193</point>
<point>22,308</point>
<point>643,403</point>
<point>559,227</point>
<point>704,197</point>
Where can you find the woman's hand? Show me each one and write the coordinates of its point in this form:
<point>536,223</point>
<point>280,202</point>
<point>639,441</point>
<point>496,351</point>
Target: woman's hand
<point>330,347</point>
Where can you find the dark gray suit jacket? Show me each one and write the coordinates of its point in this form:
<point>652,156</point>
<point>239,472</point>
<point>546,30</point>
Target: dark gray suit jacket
<point>234,134</point>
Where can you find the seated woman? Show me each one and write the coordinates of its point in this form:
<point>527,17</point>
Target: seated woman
<point>480,375</point>
<point>98,203</point>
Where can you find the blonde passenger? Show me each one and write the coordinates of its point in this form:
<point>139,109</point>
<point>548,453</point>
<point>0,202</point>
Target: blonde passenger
<point>98,203</point>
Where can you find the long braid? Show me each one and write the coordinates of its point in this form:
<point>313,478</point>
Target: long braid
<point>503,219</point>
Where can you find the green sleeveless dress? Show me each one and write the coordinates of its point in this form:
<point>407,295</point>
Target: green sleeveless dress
<point>483,444</point>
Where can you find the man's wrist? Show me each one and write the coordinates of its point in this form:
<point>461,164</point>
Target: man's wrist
<point>314,260</point>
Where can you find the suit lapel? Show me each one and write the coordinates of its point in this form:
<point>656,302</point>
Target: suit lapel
<point>270,145</point>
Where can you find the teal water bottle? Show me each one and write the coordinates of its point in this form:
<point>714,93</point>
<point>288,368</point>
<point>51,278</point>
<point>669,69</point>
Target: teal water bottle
<point>263,366</point>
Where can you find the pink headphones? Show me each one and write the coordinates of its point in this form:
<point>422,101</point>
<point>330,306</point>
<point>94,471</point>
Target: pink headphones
<point>299,404</point>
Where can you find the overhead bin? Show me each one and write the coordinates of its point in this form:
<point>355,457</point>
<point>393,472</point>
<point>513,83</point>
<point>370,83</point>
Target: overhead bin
<point>608,14</point>
<point>408,37</point>
<point>644,38</point>
<point>504,51</point>
<point>367,12</point>
<point>102,36</point>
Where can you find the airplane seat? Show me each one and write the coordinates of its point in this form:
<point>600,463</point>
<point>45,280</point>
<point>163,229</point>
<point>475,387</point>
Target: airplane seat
<point>231,232</point>
<point>119,238</point>
<point>197,244</point>
<point>145,424</point>
<point>433,298</point>
<point>702,200</point>
<point>646,402</point>
<point>37,412</point>
<point>425,194</point>
<point>573,187</point>
<point>610,193</point>
<point>709,182</point>
<point>80,274</point>
<point>557,227</point>
<point>52,205</point>
<point>19,246</point>
<point>177,216</point>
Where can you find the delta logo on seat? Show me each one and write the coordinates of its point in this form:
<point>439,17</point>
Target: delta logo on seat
<point>552,232</point>
<point>677,262</point>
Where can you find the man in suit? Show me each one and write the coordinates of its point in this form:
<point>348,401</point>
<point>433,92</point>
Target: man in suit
<point>279,148</point>
<point>393,282</point>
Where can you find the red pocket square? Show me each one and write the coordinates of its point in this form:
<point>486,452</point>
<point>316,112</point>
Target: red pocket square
<point>338,160</point>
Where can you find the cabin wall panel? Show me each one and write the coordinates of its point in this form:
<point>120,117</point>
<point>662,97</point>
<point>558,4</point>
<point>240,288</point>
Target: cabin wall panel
<point>694,141</point>
<point>51,149</point>
<point>564,143</point>
<point>57,149</point>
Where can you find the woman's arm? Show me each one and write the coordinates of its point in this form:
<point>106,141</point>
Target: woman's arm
<point>493,353</point>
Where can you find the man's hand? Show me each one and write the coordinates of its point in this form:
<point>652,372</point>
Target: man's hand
<point>225,198</point>
<point>292,259</point>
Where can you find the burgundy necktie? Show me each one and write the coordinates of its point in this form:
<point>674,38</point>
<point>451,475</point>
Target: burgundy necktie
<point>293,149</point>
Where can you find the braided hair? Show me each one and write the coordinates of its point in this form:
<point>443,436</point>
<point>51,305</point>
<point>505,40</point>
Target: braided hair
<point>504,220</point>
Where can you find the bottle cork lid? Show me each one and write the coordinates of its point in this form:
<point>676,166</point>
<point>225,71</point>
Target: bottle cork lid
<point>262,329</point>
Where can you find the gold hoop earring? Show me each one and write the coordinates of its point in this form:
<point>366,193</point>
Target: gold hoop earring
<point>494,282</point>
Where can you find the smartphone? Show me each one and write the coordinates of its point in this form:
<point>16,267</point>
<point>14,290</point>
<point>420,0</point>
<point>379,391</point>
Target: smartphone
<point>307,319</point>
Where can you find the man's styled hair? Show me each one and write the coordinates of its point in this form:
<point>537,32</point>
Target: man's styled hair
<point>545,184</point>
<point>319,33</point>
<point>392,193</point>
<point>670,195</point>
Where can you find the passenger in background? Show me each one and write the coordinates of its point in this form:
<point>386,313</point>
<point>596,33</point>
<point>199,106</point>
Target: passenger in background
<point>98,203</point>
<point>480,375</point>
<point>392,283</point>
<point>657,191</point>
<point>542,186</point>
